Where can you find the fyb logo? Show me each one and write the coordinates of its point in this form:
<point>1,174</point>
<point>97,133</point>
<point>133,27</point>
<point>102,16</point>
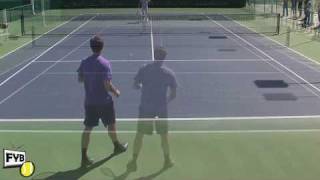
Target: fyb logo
<point>14,159</point>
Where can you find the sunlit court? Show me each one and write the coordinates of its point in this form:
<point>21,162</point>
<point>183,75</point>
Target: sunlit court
<point>196,89</point>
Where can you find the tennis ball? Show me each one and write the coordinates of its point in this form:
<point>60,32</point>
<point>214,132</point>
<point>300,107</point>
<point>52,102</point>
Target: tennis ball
<point>27,169</point>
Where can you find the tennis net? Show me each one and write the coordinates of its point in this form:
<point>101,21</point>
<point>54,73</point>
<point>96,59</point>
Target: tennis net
<point>15,17</point>
<point>3,24</point>
<point>129,24</point>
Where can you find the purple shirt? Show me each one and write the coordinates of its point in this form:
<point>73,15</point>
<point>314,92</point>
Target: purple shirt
<point>95,70</point>
<point>155,82</point>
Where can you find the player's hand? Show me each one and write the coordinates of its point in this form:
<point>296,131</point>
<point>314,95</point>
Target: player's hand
<point>137,86</point>
<point>117,93</point>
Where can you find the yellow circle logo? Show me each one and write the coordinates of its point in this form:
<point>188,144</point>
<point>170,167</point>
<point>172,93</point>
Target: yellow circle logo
<point>27,169</point>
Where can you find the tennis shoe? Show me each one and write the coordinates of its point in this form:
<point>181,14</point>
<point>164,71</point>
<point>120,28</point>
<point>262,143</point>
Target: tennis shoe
<point>132,166</point>
<point>120,148</point>
<point>168,164</point>
<point>85,162</point>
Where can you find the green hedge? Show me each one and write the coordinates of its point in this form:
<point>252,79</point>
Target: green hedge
<point>154,3</point>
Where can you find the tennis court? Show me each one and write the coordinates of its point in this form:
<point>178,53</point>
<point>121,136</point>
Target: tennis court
<point>243,97</point>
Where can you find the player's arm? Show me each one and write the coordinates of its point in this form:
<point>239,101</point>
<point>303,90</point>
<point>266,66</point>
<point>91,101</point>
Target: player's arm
<point>172,87</point>
<point>111,88</point>
<point>80,74</point>
<point>137,84</point>
<point>108,83</point>
<point>173,94</point>
<point>80,77</point>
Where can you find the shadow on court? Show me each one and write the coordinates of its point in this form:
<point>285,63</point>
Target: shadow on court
<point>73,174</point>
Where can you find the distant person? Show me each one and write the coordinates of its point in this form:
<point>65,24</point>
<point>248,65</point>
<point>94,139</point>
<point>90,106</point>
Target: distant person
<point>300,8</point>
<point>95,73</point>
<point>304,12</point>
<point>154,80</point>
<point>285,8</point>
<point>294,8</point>
<point>307,12</point>
<point>145,9</point>
<point>318,9</point>
<point>318,13</point>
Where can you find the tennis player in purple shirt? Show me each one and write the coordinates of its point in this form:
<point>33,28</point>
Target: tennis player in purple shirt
<point>95,73</point>
<point>155,81</point>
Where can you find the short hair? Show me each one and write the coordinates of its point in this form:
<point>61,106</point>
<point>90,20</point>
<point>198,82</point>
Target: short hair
<point>96,44</point>
<point>160,53</point>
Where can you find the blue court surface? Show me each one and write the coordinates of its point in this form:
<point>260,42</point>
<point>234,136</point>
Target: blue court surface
<point>223,69</point>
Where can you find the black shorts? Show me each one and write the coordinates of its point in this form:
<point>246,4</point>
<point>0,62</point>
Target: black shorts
<point>148,126</point>
<point>93,113</point>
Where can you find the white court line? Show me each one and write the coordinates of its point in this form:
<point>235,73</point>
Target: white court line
<point>271,58</point>
<point>47,69</point>
<point>268,61</point>
<point>168,60</point>
<point>297,52</point>
<point>46,51</point>
<point>13,51</point>
<point>171,132</point>
<point>17,65</point>
<point>152,41</point>
<point>242,118</point>
<point>192,73</point>
<point>290,49</point>
<point>306,63</point>
<point>36,77</point>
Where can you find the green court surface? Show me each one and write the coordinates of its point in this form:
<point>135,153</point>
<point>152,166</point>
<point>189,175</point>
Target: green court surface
<point>261,148</point>
<point>281,148</point>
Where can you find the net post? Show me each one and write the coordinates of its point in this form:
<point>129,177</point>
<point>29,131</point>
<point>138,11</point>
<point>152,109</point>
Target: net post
<point>33,7</point>
<point>288,37</point>
<point>5,20</point>
<point>278,24</point>
<point>33,34</point>
<point>43,13</point>
<point>312,18</point>
<point>22,25</point>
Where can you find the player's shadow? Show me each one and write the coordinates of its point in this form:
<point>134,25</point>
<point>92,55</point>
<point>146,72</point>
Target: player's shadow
<point>151,176</point>
<point>73,174</point>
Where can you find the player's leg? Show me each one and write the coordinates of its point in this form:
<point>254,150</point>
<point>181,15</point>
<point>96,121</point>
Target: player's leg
<point>144,14</point>
<point>147,13</point>
<point>137,146</point>
<point>144,126</point>
<point>162,127</point>
<point>138,141</point>
<point>91,120</point>
<point>109,121</point>
<point>118,147</point>
<point>166,150</point>
<point>85,140</point>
